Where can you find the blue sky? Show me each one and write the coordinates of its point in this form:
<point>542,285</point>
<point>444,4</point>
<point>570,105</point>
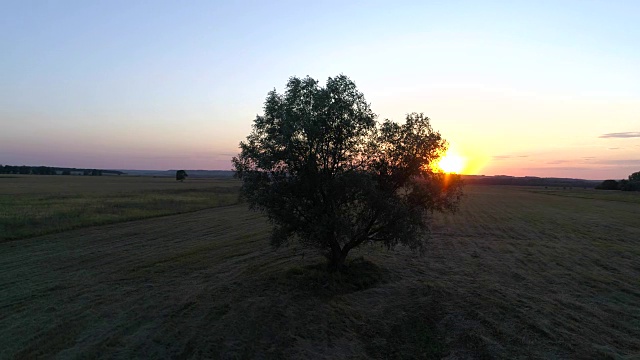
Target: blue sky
<point>519,88</point>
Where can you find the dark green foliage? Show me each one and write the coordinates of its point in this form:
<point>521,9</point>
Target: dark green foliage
<point>633,184</point>
<point>181,175</point>
<point>329,176</point>
<point>628,185</point>
<point>608,185</point>
<point>93,172</point>
<point>42,170</point>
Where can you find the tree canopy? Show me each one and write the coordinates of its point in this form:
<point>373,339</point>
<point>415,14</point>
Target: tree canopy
<point>181,175</point>
<point>608,185</point>
<point>328,175</point>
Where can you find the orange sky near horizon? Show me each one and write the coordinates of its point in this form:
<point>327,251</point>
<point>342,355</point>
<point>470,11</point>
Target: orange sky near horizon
<point>517,88</point>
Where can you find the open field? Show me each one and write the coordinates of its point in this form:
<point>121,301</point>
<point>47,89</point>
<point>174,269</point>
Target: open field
<point>35,205</point>
<point>610,195</point>
<point>517,273</point>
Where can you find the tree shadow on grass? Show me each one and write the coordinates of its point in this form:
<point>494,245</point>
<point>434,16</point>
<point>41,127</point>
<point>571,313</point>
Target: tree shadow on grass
<point>366,311</point>
<point>357,275</point>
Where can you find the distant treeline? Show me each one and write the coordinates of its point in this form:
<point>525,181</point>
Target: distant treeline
<point>630,184</point>
<point>48,170</point>
<point>527,181</point>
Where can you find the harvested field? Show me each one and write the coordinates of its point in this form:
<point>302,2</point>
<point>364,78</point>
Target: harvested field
<point>36,205</point>
<point>517,273</point>
<point>24,185</point>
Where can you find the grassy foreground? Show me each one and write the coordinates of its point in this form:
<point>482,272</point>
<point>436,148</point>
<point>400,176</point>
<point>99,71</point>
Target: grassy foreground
<point>516,274</point>
<point>34,205</point>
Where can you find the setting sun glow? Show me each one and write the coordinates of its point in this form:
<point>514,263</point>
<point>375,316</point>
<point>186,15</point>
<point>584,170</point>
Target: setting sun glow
<point>451,163</point>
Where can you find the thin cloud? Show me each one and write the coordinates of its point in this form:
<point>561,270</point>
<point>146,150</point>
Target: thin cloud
<point>593,161</point>
<point>556,162</point>
<point>505,157</point>
<point>620,162</point>
<point>567,168</point>
<point>629,134</point>
<point>614,148</point>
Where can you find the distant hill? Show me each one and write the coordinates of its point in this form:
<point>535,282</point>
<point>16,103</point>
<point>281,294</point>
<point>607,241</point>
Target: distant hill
<point>172,173</point>
<point>469,179</point>
<point>528,181</point>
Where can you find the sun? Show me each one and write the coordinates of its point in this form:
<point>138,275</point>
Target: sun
<point>451,163</point>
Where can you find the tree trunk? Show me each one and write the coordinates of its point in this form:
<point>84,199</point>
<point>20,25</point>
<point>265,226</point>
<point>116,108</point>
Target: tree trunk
<point>336,259</point>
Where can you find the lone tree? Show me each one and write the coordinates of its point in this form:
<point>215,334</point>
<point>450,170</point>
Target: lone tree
<point>331,177</point>
<point>181,175</point>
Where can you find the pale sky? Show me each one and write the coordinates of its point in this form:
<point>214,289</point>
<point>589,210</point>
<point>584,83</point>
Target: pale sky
<point>540,88</point>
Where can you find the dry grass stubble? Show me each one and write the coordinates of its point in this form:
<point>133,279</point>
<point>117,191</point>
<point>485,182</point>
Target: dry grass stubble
<point>33,205</point>
<point>515,274</point>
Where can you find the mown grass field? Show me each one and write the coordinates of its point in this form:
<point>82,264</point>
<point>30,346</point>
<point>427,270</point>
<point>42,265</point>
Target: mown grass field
<point>36,205</point>
<point>517,273</point>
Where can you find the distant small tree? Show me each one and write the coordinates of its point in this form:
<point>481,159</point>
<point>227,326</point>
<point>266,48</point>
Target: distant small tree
<point>635,176</point>
<point>331,177</point>
<point>181,175</point>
